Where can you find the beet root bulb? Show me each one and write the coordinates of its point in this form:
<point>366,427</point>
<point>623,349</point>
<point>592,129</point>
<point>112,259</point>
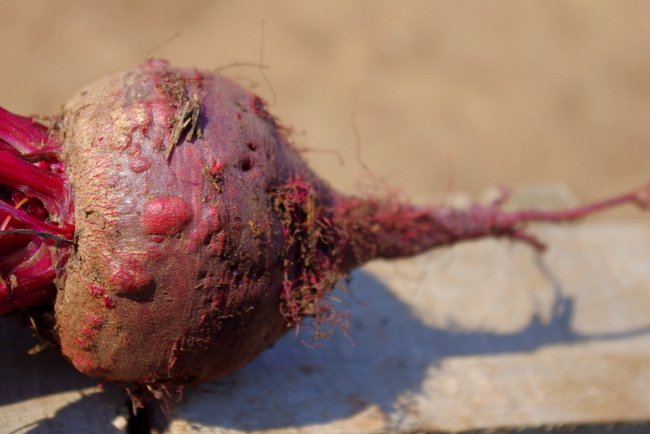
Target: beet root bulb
<point>176,234</point>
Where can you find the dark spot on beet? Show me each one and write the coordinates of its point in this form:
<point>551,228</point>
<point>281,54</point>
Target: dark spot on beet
<point>146,294</point>
<point>252,146</point>
<point>245,164</point>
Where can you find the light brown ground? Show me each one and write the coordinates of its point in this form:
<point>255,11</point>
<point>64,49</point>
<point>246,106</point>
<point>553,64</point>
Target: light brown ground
<point>482,92</point>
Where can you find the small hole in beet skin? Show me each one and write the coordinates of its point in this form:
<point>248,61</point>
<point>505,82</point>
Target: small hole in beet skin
<point>246,164</point>
<point>252,146</point>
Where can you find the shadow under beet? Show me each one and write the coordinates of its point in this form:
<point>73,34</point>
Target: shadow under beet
<point>388,352</point>
<point>24,376</point>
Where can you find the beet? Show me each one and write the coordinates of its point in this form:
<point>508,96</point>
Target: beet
<point>168,232</point>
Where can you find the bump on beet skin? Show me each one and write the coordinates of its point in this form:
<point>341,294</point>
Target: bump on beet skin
<point>182,234</point>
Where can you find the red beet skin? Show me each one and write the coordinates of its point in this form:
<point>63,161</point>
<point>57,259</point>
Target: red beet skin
<point>180,234</point>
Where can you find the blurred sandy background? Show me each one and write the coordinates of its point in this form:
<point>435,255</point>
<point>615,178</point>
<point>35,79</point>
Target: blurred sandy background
<point>483,92</point>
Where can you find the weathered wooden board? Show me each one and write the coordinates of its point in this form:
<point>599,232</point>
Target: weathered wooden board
<point>481,335</point>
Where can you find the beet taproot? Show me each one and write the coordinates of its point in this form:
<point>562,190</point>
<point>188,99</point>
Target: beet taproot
<point>171,232</point>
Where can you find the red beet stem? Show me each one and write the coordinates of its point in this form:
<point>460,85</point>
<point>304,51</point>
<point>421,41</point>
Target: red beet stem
<point>35,212</point>
<point>35,182</point>
<point>9,301</point>
<point>18,215</point>
<point>24,134</point>
<point>35,272</point>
